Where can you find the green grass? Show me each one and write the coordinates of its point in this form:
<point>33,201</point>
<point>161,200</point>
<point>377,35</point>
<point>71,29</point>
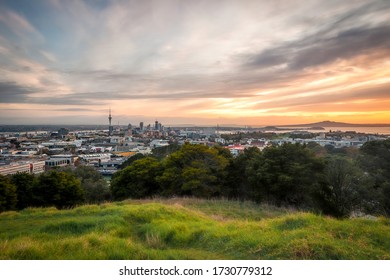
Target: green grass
<point>188,229</point>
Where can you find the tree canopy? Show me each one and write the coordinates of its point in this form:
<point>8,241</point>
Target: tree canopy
<point>94,186</point>
<point>289,174</point>
<point>194,170</point>
<point>59,189</point>
<point>8,196</point>
<point>137,180</point>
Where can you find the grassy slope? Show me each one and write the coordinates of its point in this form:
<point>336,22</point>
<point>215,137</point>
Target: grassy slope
<point>188,229</point>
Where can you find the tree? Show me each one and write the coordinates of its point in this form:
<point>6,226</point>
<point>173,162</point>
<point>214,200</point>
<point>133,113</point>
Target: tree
<point>96,190</point>
<point>8,196</point>
<point>345,188</point>
<point>137,180</point>
<point>94,185</point>
<point>286,175</point>
<point>375,160</point>
<point>59,189</point>
<point>194,170</point>
<point>236,182</point>
<point>24,183</point>
<point>131,159</point>
<point>165,151</point>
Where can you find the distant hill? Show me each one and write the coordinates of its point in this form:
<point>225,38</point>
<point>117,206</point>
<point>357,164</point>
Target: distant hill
<point>335,124</point>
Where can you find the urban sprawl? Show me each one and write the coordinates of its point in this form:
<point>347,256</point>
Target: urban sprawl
<point>106,149</point>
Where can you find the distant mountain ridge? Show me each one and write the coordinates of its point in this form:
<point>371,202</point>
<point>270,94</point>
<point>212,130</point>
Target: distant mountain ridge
<point>334,124</point>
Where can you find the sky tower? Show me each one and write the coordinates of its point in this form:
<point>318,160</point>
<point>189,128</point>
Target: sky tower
<point>110,128</point>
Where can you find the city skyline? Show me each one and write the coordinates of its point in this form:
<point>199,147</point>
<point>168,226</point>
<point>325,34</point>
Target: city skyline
<point>194,62</point>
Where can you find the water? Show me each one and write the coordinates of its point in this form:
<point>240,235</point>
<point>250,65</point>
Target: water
<point>368,130</point>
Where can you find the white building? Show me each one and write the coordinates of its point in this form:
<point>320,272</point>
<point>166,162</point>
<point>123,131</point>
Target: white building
<point>33,167</point>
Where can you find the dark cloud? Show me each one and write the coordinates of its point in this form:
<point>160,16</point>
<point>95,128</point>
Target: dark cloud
<point>64,100</point>
<point>54,109</point>
<point>161,96</point>
<point>341,37</point>
<point>11,92</point>
<point>344,45</point>
<point>75,110</point>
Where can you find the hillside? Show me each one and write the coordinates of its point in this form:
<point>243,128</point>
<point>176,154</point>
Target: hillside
<point>335,124</point>
<point>188,229</point>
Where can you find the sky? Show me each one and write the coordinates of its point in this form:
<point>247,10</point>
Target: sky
<point>194,62</point>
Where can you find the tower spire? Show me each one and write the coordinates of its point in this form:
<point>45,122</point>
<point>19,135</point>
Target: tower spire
<point>109,116</point>
<point>110,128</point>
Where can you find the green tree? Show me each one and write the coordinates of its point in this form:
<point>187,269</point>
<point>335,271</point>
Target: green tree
<point>163,152</point>
<point>236,183</point>
<point>375,160</point>
<point>24,183</point>
<point>346,187</point>
<point>94,186</point>
<point>131,159</point>
<point>59,189</point>
<point>137,180</point>
<point>8,196</point>
<point>194,170</point>
<point>286,175</point>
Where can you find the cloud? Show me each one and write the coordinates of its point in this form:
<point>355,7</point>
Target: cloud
<point>49,56</point>
<point>341,37</point>
<point>11,92</point>
<point>186,58</point>
<point>380,92</point>
<point>343,46</point>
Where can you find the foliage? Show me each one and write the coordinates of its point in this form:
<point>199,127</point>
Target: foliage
<point>24,183</point>
<point>131,159</point>
<point>137,180</point>
<point>188,229</point>
<point>95,187</point>
<point>8,196</point>
<point>163,152</point>
<point>375,160</point>
<point>237,184</point>
<point>194,170</point>
<point>335,182</point>
<point>344,189</point>
<point>286,175</point>
<point>58,189</point>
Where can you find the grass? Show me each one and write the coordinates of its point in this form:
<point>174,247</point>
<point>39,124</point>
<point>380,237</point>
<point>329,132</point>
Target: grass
<point>188,229</point>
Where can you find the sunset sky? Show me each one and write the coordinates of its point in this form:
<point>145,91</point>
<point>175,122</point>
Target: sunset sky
<point>194,62</point>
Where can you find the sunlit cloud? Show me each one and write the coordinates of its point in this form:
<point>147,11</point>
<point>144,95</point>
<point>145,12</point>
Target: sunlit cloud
<point>246,62</point>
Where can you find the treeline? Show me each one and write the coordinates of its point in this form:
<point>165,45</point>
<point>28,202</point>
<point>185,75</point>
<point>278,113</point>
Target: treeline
<point>61,188</point>
<point>310,177</point>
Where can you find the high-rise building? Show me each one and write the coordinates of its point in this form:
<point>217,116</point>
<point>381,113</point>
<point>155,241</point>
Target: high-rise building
<point>141,126</point>
<point>129,130</point>
<point>110,127</point>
